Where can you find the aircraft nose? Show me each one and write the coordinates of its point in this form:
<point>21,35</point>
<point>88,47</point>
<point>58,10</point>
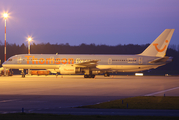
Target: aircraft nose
<point>4,63</point>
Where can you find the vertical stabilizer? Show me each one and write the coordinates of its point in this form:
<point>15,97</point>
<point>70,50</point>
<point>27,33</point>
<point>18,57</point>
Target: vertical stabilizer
<point>159,45</point>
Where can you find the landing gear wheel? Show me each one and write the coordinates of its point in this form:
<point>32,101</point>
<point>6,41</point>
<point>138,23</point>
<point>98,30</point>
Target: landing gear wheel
<point>86,76</point>
<point>93,76</point>
<point>106,75</point>
<point>23,75</point>
<point>56,74</point>
<point>89,76</point>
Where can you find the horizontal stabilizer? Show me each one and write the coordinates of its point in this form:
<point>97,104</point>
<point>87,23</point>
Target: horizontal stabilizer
<point>158,60</point>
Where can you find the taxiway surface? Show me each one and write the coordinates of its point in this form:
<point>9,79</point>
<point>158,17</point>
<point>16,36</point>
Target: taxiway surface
<point>47,93</point>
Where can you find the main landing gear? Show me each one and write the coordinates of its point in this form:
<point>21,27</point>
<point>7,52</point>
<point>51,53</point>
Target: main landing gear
<point>56,74</point>
<point>106,74</point>
<point>89,76</point>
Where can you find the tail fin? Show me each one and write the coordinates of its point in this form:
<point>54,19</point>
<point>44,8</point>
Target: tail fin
<point>159,45</point>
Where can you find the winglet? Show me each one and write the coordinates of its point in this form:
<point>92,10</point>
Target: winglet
<point>159,45</point>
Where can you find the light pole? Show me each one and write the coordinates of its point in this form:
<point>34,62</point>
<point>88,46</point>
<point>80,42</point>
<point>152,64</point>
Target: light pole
<point>29,40</point>
<point>5,15</point>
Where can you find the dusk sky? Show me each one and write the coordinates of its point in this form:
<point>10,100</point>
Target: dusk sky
<point>109,22</point>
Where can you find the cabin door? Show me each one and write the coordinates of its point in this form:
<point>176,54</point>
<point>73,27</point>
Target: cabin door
<point>19,60</point>
<point>140,60</point>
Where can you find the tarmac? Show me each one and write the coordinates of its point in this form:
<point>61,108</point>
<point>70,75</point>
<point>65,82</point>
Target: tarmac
<point>60,94</point>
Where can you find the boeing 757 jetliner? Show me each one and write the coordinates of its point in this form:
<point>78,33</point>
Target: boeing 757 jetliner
<point>90,65</point>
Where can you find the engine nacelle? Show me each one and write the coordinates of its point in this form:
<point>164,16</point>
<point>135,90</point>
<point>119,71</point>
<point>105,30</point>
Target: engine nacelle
<point>68,70</point>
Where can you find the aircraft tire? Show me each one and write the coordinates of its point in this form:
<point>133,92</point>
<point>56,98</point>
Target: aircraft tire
<point>93,76</point>
<point>85,76</point>
<point>89,76</point>
<point>106,75</point>
<point>23,75</point>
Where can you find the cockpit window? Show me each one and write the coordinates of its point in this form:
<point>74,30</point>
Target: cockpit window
<point>10,60</point>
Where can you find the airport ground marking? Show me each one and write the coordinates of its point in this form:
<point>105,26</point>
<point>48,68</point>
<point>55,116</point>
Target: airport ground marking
<point>163,91</point>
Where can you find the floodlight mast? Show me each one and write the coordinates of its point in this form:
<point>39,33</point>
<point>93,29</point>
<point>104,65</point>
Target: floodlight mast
<point>29,40</point>
<point>5,15</point>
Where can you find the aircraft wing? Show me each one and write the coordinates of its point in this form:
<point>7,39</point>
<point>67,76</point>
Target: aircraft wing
<point>91,64</point>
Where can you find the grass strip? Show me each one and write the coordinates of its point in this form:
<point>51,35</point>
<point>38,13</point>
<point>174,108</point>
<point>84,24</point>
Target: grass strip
<point>141,102</point>
<point>32,116</point>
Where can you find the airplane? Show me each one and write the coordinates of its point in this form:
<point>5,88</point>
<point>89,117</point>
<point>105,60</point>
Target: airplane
<point>90,65</point>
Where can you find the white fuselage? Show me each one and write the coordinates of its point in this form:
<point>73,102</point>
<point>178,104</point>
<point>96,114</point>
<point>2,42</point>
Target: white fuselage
<point>116,63</point>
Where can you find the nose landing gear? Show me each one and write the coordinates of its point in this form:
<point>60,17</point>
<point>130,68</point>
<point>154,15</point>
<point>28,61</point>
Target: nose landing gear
<point>22,73</point>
